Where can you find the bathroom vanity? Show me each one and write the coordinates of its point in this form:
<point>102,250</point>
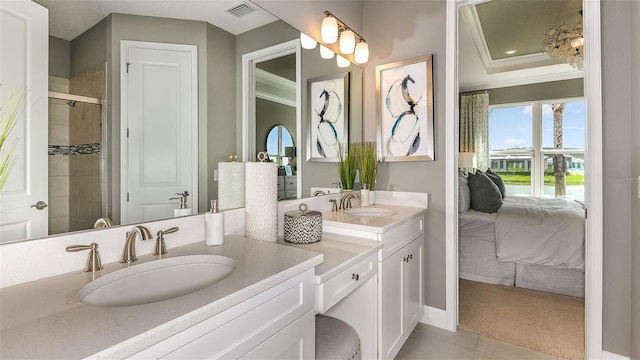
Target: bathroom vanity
<point>264,309</point>
<point>399,265</point>
<point>366,271</point>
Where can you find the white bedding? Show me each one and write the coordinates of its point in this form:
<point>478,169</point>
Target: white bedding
<point>541,231</point>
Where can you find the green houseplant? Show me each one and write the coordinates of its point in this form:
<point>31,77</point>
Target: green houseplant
<point>348,164</point>
<point>9,116</point>
<point>368,163</point>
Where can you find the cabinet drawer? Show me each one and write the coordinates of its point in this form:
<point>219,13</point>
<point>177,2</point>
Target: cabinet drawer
<point>335,289</point>
<point>397,238</point>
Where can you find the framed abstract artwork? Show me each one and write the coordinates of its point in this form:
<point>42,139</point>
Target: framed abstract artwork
<point>328,116</point>
<point>404,91</point>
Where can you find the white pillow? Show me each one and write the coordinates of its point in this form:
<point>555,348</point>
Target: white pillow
<point>464,194</point>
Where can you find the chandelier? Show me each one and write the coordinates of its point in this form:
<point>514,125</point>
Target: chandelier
<point>566,42</point>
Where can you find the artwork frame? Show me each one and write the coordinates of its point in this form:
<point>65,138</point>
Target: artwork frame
<point>405,127</point>
<point>326,132</point>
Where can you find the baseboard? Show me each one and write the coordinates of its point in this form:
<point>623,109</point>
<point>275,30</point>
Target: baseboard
<point>435,317</point>
<point>613,356</point>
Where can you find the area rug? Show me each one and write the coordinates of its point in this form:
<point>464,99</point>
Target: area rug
<point>550,323</point>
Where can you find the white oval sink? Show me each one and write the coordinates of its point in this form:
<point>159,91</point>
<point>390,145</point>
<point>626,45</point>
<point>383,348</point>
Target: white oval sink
<point>156,280</point>
<point>367,211</point>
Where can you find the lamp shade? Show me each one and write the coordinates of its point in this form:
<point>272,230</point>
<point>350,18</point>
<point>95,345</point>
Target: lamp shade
<point>467,160</point>
<point>347,42</point>
<point>362,52</point>
<point>342,62</point>
<point>329,30</point>
<point>307,42</point>
<point>325,52</point>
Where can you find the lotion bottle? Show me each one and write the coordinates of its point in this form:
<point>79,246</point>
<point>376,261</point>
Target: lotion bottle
<point>214,226</point>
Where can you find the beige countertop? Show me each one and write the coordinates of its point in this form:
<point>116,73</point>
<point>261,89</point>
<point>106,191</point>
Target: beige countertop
<point>374,224</point>
<point>43,319</point>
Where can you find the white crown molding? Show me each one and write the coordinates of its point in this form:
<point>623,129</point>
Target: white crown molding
<point>275,88</point>
<point>531,76</point>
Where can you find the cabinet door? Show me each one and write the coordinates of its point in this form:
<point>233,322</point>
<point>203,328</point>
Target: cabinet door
<point>413,283</point>
<point>392,326</point>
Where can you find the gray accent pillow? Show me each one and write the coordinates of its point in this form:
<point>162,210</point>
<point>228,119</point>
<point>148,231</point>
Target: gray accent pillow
<point>498,181</point>
<point>485,195</point>
<point>464,194</point>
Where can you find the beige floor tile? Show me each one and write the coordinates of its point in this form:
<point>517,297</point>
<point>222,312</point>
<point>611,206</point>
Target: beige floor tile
<point>509,351</point>
<point>420,347</point>
<point>464,338</point>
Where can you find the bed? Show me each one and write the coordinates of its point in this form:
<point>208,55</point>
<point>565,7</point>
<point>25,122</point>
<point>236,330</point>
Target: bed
<point>533,243</point>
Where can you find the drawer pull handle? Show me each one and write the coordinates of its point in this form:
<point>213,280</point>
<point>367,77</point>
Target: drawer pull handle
<point>355,277</point>
<point>410,256</point>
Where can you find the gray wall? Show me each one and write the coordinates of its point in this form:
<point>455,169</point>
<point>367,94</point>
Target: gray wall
<point>407,38</point>
<point>59,62</point>
<point>635,169</point>
<point>537,92</point>
<point>90,48</point>
<point>221,106</point>
<point>270,114</point>
<point>617,145</point>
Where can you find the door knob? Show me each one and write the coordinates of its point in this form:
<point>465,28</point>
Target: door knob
<point>40,205</point>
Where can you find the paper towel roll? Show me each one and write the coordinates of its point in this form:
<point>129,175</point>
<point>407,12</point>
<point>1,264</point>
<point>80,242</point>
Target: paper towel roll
<point>214,229</point>
<point>261,201</point>
<point>230,185</point>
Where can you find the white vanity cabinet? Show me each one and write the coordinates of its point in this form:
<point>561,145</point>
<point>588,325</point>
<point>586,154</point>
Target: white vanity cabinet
<point>400,265</point>
<point>400,296</point>
<point>277,323</point>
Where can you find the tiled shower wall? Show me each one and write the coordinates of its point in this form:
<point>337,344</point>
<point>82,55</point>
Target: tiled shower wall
<point>85,195</point>
<point>75,181</point>
<point>58,164</point>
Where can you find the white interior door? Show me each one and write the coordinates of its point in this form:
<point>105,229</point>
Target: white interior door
<point>159,124</point>
<point>24,57</point>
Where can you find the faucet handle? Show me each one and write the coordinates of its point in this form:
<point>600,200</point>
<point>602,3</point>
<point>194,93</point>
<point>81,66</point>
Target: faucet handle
<point>93,261</point>
<point>334,206</point>
<point>161,248</point>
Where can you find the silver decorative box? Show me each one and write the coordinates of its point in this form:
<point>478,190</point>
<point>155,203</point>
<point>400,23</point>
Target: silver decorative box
<point>302,227</point>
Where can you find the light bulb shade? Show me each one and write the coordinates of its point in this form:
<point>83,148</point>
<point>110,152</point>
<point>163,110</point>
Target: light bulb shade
<point>329,30</point>
<point>467,160</point>
<point>342,62</point>
<point>307,42</point>
<point>347,42</point>
<point>362,52</point>
<point>325,52</point>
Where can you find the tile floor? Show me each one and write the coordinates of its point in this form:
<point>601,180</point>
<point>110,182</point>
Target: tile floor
<point>428,342</point>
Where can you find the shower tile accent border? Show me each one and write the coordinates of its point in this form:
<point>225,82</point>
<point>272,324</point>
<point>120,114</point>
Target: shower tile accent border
<point>81,149</point>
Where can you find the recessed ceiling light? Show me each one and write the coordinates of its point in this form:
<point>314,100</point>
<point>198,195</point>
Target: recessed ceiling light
<point>511,51</point>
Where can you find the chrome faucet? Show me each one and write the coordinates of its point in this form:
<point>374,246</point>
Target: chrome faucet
<point>129,252</point>
<point>345,201</point>
<point>102,222</point>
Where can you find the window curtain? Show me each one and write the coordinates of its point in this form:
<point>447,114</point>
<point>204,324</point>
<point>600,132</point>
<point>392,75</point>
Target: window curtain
<point>474,126</point>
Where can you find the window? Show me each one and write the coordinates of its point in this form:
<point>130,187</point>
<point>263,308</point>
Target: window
<point>280,145</point>
<point>535,154</point>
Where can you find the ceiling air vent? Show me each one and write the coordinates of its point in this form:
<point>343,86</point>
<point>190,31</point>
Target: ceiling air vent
<point>241,10</point>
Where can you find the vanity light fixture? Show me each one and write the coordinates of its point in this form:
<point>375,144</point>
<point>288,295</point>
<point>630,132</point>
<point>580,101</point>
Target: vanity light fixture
<point>325,52</point>
<point>329,29</point>
<point>342,62</point>
<point>362,52</point>
<point>333,29</point>
<point>307,42</point>
<point>347,42</point>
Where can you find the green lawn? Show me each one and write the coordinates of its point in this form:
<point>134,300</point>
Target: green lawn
<point>513,179</point>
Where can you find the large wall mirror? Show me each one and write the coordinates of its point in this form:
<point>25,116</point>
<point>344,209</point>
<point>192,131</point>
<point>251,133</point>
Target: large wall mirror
<point>97,51</point>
